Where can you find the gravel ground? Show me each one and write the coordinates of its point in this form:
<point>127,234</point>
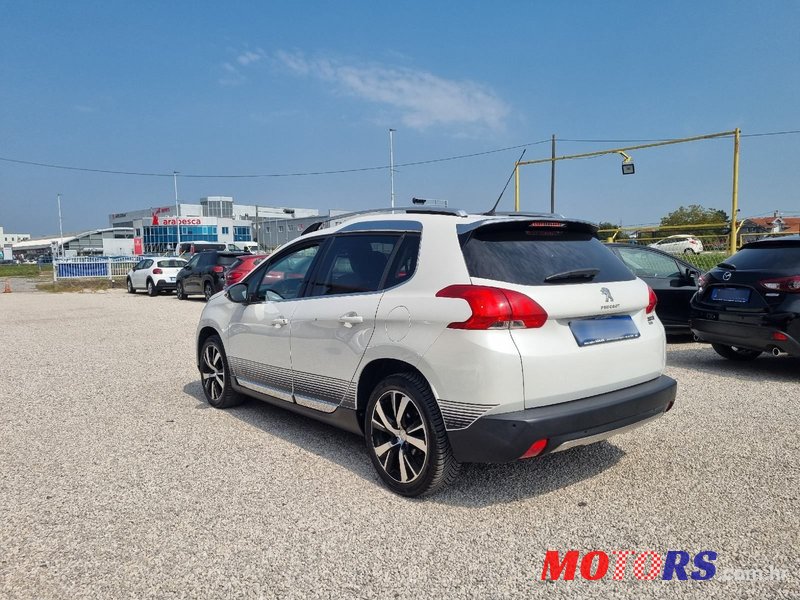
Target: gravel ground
<point>118,481</point>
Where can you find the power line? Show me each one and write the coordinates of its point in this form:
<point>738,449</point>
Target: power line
<point>253,176</point>
<point>361,169</point>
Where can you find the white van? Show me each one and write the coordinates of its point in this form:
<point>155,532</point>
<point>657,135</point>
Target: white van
<point>251,247</point>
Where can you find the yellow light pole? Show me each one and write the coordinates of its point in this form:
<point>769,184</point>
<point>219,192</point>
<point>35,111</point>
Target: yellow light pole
<point>735,197</point>
<point>736,133</point>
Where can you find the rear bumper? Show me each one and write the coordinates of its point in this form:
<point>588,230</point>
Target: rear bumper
<point>165,285</point>
<point>505,437</point>
<point>744,335</point>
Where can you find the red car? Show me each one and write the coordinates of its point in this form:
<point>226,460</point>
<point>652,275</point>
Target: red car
<point>243,265</point>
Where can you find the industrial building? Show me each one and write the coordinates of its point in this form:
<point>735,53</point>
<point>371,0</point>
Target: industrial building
<point>110,241</point>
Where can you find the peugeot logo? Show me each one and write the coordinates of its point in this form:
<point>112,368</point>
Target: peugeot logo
<point>607,294</point>
<point>726,275</point>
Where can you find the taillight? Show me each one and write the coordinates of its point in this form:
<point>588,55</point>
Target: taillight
<point>157,271</point>
<point>218,269</point>
<point>652,300</point>
<point>495,308</point>
<point>782,284</point>
<point>703,281</point>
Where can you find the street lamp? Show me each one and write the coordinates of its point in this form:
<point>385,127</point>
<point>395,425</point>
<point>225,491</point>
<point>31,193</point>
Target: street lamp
<point>177,211</point>
<point>60,227</point>
<point>627,164</point>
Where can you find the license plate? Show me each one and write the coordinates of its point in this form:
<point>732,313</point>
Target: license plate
<point>723,294</point>
<point>172,279</point>
<point>589,332</point>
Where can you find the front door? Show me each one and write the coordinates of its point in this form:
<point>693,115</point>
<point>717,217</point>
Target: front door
<point>258,344</point>
<point>333,325</point>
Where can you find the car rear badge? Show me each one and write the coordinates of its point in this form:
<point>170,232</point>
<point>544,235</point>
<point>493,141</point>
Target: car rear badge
<point>607,294</point>
<point>726,275</point>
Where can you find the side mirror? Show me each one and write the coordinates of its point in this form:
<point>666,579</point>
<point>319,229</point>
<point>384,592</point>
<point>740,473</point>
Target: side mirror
<point>238,293</point>
<point>692,274</point>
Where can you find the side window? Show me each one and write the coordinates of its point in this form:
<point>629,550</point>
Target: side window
<point>354,264</point>
<point>193,261</point>
<point>283,278</point>
<point>649,264</point>
<point>405,263</point>
<point>147,264</point>
<point>140,265</point>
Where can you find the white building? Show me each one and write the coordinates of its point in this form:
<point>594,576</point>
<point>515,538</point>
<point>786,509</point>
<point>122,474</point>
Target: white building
<point>12,238</point>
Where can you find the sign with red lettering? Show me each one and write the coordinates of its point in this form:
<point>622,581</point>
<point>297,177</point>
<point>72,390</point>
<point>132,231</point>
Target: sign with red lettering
<point>137,246</point>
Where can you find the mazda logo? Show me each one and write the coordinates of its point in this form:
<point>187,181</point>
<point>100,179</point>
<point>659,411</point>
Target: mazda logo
<point>726,275</point>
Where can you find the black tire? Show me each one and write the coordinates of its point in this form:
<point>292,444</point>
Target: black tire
<point>152,290</point>
<point>179,293</point>
<point>735,352</point>
<point>402,465</point>
<point>131,289</point>
<point>215,376</point>
<point>208,290</point>
<point>688,251</point>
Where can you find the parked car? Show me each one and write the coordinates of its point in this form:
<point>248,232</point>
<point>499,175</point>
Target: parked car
<point>673,280</point>
<point>443,338</point>
<point>204,273</point>
<point>154,275</point>
<point>188,248</point>
<point>679,244</point>
<point>241,267</point>
<point>750,303</point>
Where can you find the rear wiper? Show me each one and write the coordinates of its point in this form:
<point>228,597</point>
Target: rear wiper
<point>725,265</point>
<point>575,274</point>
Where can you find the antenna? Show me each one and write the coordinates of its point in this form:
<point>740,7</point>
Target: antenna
<point>494,208</point>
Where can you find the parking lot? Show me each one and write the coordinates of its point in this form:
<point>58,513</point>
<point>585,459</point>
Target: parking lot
<point>117,480</point>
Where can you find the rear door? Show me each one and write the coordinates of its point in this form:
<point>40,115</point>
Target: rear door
<point>332,327</point>
<point>598,336</point>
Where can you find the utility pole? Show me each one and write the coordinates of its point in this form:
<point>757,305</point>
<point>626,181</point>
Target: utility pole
<point>553,175</point>
<point>258,231</point>
<point>391,163</point>
<point>60,227</point>
<point>177,211</point>
<point>735,194</point>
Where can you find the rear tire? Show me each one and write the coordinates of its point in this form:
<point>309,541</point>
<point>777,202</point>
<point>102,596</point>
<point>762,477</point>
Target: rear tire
<point>406,438</point>
<point>688,251</point>
<point>735,352</point>
<point>131,289</point>
<point>215,376</point>
<point>179,293</point>
<point>152,290</point>
<point>208,291</point>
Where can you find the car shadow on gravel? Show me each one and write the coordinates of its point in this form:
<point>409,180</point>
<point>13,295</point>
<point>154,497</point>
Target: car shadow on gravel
<point>764,368</point>
<point>479,485</point>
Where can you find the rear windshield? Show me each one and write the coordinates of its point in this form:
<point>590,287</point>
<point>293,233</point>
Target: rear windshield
<point>528,257</point>
<point>766,257</point>
<point>226,260</point>
<point>171,263</point>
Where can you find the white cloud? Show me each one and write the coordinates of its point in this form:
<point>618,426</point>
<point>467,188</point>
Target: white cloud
<point>422,98</point>
<point>249,56</point>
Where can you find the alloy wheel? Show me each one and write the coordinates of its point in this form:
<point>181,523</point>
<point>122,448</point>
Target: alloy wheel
<point>399,436</point>
<point>213,372</point>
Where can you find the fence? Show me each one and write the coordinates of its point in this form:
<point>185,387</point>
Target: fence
<point>95,267</point>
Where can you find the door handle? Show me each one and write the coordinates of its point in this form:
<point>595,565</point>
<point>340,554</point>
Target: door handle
<point>279,322</point>
<point>350,318</point>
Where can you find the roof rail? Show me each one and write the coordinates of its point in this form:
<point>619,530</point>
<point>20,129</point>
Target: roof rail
<point>409,210</point>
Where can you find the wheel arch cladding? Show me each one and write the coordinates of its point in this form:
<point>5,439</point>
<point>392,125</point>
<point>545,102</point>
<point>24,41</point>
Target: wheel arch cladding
<point>374,373</point>
<point>205,333</point>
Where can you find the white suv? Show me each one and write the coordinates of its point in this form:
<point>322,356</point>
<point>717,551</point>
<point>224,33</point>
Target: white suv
<point>443,338</point>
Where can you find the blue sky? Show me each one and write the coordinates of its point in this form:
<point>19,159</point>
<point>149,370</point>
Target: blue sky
<point>276,88</point>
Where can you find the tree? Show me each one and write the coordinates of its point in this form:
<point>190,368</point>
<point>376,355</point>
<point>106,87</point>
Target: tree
<point>694,214</point>
<point>605,226</point>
